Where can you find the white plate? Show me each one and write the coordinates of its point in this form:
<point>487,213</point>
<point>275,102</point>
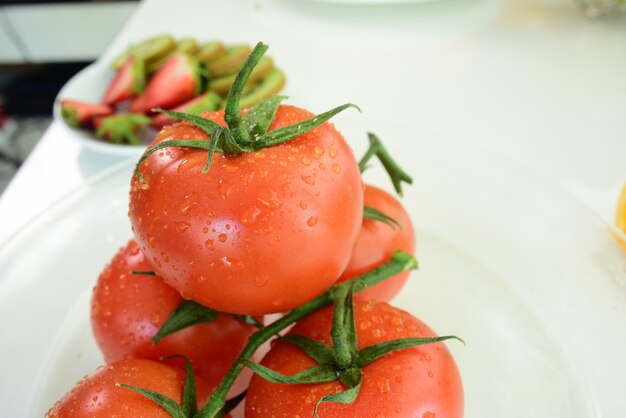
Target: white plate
<point>374,2</point>
<point>89,85</point>
<point>531,280</point>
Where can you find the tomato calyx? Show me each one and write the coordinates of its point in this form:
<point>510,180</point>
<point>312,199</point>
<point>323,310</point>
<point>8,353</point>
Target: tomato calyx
<point>244,133</point>
<point>377,215</point>
<point>189,407</point>
<point>343,361</point>
<point>186,314</point>
<point>189,312</point>
<point>400,261</point>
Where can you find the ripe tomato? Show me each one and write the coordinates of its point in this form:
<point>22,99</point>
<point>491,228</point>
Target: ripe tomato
<point>377,241</point>
<point>259,233</point>
<point>97,396</point>
<point>127,310</point>
<point>420,381</point>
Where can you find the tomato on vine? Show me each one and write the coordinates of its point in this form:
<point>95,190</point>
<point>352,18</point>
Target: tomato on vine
<point>272,223</point>
<point>100,394</point>
<point>378,240</point>
<point>129,309</point>
<point>376,380</point>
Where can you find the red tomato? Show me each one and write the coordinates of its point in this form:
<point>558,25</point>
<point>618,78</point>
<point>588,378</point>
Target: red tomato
<point>420,381</point>
<point>97,396</point>
<point>259,233</point>
<point>376,243</point>
<point>127,310</point>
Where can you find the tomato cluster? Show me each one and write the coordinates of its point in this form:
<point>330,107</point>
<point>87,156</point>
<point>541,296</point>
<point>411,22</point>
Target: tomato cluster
<point>238,214</point>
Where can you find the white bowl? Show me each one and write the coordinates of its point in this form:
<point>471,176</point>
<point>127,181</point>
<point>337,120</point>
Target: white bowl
<point>89,85</point>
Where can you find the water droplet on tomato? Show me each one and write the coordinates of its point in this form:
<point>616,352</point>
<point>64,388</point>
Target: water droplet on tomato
<point>186,165</point>
<point>224,189</point>
<point>322,166</point>
<point>231,262</point>
<point>165,257</point>
<point>430,374</point>
<point>269,198</point>
<point>397,322</point>
<point>261,280</point>
<point>303,204</point>
<point>318,152</point>
<point>187,204</point>
<point>182,226</point>
<point>210,244</point>
<point>155,319</point>
<point>336,168</point>
<point>222,237</point>
<point>249,216</point>
<point>378,333</point>
<point>306,161</point>
<point>383,385</point>
<point>333,152</point>
<point>312,221</point>
<point>310,180</point>
<point>151,241</point>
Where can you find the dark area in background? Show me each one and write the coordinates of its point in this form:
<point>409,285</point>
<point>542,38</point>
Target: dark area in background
<point>30,89</point>
<point>16,2</point>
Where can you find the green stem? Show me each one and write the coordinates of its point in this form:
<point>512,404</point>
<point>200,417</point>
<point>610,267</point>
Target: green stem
<point>342,332</point>
<point>400,261</point>
<point>232,114</point>
<point>397,174</point>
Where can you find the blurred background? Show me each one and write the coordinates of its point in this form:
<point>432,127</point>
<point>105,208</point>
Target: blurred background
<point>42,45</point>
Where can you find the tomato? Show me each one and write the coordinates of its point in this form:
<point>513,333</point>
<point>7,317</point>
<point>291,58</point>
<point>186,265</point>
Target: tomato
<point>259,233</point>
<point>421,381</point>
<point>97,396</point>
<point>127,310</point>
<point>377,241</point>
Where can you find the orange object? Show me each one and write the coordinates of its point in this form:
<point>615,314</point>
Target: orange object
<point>620,215</point>
<point>620,218</point>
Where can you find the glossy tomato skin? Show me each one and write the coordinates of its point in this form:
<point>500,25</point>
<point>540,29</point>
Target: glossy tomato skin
<point>377,242</point>
<point>260,232</point>
<point>97,396</point>
<point>127,310</point>
<point>415,382</point>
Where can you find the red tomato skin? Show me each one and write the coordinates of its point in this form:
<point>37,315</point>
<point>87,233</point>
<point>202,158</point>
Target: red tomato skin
<point>259,233</point>
<point>97,396</point>
<point>127,310</point>
<point>378,241</point>
<point>416,382</point>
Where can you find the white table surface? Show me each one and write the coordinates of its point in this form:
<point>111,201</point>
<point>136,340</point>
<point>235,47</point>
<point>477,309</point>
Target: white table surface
<point>532,81</point>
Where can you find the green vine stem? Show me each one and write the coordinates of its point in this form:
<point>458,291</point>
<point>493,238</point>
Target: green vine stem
<point>396,173</point>
<point>400,261</point>
<point>232,114</point>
